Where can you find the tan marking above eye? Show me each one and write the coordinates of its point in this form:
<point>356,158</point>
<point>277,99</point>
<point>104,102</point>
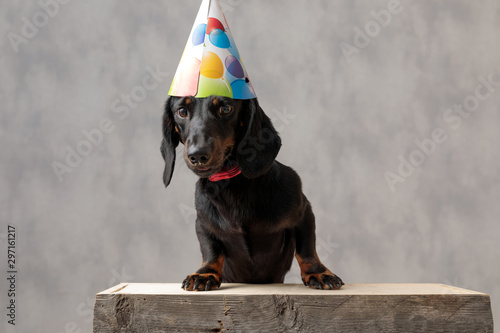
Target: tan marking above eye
<point>215,101</point>
<point>188,100</point>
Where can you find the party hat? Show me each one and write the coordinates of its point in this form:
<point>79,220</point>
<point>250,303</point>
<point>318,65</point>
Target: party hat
<point>211,63</point>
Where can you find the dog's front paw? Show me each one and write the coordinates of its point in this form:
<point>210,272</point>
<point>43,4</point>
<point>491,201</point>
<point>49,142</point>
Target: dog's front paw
<point>201,282</point>
<point>326,280</point>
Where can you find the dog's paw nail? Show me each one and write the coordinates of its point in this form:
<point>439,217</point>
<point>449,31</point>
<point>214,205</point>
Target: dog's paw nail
<point>208,286</point>
<point>329,284</point>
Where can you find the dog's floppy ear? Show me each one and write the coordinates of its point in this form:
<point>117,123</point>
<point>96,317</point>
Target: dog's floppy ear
<point>257,141</point>
<point>169,143</point>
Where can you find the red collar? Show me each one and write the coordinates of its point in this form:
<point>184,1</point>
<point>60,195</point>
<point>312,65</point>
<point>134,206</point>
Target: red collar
<point>225,173</point>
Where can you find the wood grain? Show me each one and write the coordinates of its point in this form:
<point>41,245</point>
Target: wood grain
<point>292,308</point>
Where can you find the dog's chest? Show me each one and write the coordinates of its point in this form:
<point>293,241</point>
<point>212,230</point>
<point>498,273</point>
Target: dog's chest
<point>233,221</point>
<point>242,209</point>
<point>240,219</point>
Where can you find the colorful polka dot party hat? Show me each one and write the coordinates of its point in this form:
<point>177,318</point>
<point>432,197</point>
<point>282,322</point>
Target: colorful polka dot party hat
<point>211,63</point>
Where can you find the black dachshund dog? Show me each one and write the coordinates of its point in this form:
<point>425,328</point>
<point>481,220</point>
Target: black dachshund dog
<point>250,225</point>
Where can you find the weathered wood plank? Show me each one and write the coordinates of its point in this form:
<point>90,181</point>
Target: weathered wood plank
<point>292,308</point>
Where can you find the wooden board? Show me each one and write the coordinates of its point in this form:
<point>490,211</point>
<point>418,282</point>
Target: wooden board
<point>384,308</point>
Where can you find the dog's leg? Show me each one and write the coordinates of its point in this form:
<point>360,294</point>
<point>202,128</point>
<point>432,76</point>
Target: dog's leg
<point>209,276</point>
<point>314,273</point>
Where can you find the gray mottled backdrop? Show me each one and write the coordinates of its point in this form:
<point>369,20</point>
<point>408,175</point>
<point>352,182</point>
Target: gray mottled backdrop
<point>388,110</point>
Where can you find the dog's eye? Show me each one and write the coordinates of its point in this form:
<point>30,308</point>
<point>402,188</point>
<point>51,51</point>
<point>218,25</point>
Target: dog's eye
<point>225,110</point>
<point>182,112</point>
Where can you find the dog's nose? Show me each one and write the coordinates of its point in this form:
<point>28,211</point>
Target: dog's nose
<point>198,156</point>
